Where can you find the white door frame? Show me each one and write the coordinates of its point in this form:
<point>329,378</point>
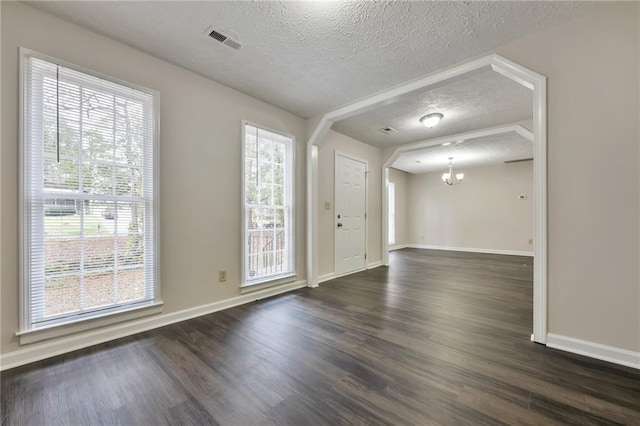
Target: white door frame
<point>366,208</point>
<point>522,75</point>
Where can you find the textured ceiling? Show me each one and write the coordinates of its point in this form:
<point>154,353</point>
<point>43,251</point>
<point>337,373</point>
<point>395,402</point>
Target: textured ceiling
<point>485,151</point>
<point>311,57</point>
<point>486,99</point>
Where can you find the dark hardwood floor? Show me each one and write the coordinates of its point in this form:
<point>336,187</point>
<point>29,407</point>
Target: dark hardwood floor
<point>436,338</point>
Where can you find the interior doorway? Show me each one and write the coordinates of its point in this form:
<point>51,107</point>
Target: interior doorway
<point>526,77</point>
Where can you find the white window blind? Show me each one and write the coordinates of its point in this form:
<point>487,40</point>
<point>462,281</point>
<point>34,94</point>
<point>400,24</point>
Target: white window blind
<point>268,205</point>
<point>88,197</point>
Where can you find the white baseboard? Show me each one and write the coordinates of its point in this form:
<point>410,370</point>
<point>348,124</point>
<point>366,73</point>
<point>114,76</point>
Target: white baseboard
<point>332,275</point>
<point>398,247</point>
<point>472,250</point>
<point>373,265</point>
<point>60,346</point>
<point>326,277</point>
<point>594,350</point>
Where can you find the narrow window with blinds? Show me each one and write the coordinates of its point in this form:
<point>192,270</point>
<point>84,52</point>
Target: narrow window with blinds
<point>392,212</point>
<point>268,205</point>
<point>88,194</point>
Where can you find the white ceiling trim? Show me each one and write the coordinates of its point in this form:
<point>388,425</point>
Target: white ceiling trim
<point>478,101</point>
<point>395,94</point>
<point>475,134</point>
<point>496,62</point>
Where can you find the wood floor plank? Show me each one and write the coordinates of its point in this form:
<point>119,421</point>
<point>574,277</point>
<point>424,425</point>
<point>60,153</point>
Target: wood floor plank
<point>437,338</point>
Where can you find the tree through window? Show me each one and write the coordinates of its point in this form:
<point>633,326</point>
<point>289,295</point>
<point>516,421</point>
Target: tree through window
<point>88,194</point>
<point>268,190</point>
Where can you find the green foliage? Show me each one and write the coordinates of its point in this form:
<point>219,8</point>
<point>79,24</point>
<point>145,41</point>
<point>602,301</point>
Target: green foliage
<point>71,225</point>
<point>100,143</point>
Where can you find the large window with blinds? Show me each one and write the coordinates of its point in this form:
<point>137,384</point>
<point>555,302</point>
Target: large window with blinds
<point>268,205</point>
<point>89,184</point>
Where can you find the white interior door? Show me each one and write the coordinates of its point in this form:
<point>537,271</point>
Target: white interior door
<point>350,219</point>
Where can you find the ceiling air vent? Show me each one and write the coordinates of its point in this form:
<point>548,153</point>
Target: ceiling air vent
<point>388,130</point>
<point>224,39</point>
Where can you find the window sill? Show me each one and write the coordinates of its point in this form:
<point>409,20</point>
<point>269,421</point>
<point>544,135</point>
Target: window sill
<point>271,282</point>
<point>85,324</point>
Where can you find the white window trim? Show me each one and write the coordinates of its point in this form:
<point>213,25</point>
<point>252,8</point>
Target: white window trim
<point>27,333</point>
<point>87,324</point>
<point>275,279</point>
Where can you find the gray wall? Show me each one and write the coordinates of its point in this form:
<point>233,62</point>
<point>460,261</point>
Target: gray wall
<point>593,185</point>
<point>483,212</point>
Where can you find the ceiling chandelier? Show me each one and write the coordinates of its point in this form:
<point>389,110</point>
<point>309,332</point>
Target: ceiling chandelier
<point>450,178</point>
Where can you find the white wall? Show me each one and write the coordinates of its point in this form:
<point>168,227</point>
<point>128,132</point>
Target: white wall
<point>200,149</point>
<point>482,212</point>
<point>593,174</point>
<point>337,142</point>
<point>401,180</point>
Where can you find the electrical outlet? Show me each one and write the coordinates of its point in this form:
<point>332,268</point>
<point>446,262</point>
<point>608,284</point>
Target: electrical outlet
<point>222,275</point>
<point>530,241</point>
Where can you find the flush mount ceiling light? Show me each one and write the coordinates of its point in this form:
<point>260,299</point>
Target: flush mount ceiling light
<point>431,120</point>
<point>450,178</point>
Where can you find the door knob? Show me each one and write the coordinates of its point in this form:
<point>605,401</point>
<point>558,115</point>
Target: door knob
<point>339,225</point>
